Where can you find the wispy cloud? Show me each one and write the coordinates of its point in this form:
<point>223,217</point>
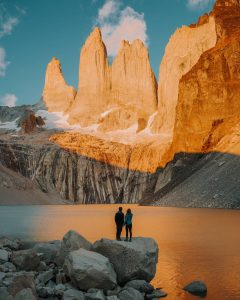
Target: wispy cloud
<point>119,23</point>
<point>6,27</point>
<point>3,62</point>
<point>8,100</point>
<point>199,4</point>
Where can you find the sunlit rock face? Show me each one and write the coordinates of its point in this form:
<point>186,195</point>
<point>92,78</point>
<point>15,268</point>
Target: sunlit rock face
<point>208,104</point>
<point>94,85</point>
<point>182,52</point>
<point>57,95</point>
<point>134,87</point>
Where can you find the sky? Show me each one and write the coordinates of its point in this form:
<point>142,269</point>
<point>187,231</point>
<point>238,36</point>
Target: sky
<point>34,31</point>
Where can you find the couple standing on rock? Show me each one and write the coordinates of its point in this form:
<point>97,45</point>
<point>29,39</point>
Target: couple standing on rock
<point>121,221</point>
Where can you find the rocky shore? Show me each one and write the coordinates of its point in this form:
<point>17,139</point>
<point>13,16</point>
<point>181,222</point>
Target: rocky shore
<point>76,269</point>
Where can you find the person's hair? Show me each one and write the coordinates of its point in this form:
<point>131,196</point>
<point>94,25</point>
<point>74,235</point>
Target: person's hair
<point>129,211</point>
<point>120,208</point>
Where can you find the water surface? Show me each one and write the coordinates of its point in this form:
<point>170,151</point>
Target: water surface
<point>194,243</point>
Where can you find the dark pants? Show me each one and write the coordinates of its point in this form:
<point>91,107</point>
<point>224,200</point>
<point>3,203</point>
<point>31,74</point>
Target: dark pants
<point>119,231</point>
<point>129,229</point>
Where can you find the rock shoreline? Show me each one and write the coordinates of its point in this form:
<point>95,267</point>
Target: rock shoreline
<point>75,269</point>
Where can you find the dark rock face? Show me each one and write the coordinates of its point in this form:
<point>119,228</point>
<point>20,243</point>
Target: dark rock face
<point>74,177</point>
<point>29,122</point>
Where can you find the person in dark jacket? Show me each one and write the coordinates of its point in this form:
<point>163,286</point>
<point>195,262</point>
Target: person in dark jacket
<point>119,220</point>
<point>128,223</point>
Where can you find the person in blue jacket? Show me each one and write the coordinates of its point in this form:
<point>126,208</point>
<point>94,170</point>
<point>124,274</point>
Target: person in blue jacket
<point>128,224</point>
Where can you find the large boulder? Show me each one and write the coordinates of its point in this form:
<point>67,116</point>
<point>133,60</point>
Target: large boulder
<point>130,294</point>
<point>71,241</point>
<point>4,294</point>
<point>20,282</point>
<point>25,294</point>
<point>3,256</point>
<point>27,260</point>
<point>9,243</point>
<point>135,260</point>
<point>90,270</point>
<point>48,250</point>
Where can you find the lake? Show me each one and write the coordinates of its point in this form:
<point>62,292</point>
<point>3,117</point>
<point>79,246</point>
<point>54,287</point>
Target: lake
<point>194,244</point>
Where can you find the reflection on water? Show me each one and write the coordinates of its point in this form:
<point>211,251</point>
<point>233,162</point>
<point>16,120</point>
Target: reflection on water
<point>194,243</point>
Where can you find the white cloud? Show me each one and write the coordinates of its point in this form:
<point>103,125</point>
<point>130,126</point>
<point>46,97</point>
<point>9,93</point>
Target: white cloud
<point>6,26</point>
<point>3,62</point>
<point>120,24</point>
<point>9,100</point>
<point>198,4</point>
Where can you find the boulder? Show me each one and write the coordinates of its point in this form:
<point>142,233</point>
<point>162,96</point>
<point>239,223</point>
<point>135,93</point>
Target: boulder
<point>27,260</point>
<point>4,294</point>
<point>135,260</point>
<point>20,282</point>
<point>3,256</point>
<point>44,277</point>
<point>73,294</point>
<point>74,241</point>
<point>7,267</point>
<point>25,294</point>
<point>71,241</point>
<point>140,285</point>
<point>8,243</point>
<point>198,288</point>
<point>130,294</point>
<point>98,295</point>
<point>48,250</point>
<point>2,275</point>
<point>114,297</point>
<point>90,270</point>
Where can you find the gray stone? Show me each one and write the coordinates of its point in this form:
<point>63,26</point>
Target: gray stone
<point>99,295</point>
<point>7,267</point>
<point>48,250</point>
<point>135,260</point>
<point>8,243</point>
<point>45,276</point>
<point>4,294</point>
<point>156,294</point>
<point>45,292</point>
<point>25,294</point>
<point>71,241</point>
<point>2,275</point>
<point>20,282</point>
<point>61,278</point>
<point>198,288</point>
<point>59,290</point>
<point>4,256</point>
<point>140,285</point>
<point>26,259</point>
<point>114,297</point>
<point>115,291</point>
<point>130,294</point>
<point>90,270</point>
<point>73,294</point>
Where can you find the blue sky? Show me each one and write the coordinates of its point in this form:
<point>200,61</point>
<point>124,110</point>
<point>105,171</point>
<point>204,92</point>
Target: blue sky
<point>33,31</point>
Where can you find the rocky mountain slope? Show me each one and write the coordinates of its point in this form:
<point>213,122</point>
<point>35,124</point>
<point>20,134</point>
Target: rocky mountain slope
<point>124,138</point>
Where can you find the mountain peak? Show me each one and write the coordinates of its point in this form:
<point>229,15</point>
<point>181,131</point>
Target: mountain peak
<point>224,3</point>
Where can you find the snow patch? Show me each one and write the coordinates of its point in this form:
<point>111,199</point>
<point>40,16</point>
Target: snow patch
<point>107,112</point>
<point>9,125</point>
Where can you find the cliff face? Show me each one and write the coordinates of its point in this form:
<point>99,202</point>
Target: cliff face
<point>182,52</point>
<point>75,177</point>
<point>134,87</point>
<point>208,101</point>
<point>94,82</point>
<point>57,95</point>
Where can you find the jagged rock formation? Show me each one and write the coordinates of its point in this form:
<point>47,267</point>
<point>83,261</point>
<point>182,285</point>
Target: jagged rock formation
<point>94,82</point>
<point>57,95</point>
<point>134,87</point>
<point>182,52</point>
<point>208,102</point>
<point>30,123</point>
<point>116,97</point>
